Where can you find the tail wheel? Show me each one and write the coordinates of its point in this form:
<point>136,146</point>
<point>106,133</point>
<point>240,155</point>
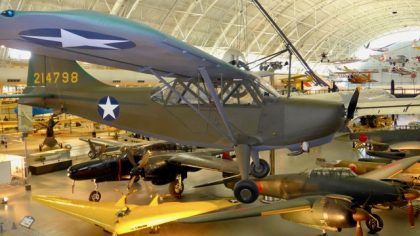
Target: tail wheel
<point>176,189</point>
<point>262,171</point>
<point>95,196</point>
<point>374,224</point>
<point>246,191</point>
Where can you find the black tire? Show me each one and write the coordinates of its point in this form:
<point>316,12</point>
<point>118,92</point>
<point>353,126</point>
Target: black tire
<point>175,190</point>
<point>374,224</point>
<point>246,191</point>
<point>95,196</point>
<point>262,172</point>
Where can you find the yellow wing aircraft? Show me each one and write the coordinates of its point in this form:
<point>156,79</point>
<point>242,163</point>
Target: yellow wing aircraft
<point>121,218</point>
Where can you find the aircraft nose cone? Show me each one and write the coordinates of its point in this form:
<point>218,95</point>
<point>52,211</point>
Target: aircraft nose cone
<point>71,172</point>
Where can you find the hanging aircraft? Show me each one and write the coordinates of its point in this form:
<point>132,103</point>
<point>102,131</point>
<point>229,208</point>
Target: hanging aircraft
<point>381,49</point>
<point>356,77</point>
<point>122,218</point>
<point>399,59</point>
<point>328,198</point>
<point>204,101</point>
<point>403,71</point>
<point>159,162</point>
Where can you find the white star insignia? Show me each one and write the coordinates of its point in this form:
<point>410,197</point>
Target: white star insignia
<point>108,108</point>
<point>69,40</point>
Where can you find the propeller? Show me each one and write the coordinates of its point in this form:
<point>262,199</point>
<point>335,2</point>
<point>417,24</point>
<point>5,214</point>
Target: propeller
<point>359,215</point>
<point>352,105</point>
<point>411,195</point>
<point>351,110</point>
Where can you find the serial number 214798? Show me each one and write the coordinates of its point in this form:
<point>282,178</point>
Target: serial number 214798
<point>56,77</point>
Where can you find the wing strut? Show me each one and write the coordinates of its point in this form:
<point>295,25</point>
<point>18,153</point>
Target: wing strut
<point>188,103</point>
<point>217,102</point>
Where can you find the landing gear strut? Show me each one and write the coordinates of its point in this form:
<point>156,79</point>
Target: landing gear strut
<point>176,187</point>
<point>374,224</point>
<point>246,190</point>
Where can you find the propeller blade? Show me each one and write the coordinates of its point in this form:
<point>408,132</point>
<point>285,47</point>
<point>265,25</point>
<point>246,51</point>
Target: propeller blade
<point>144,159</point>
<point>359,230</point>
<point>410,212</point>
<point>130,156</point>
<point>353,104</point>
<point>360,215</point>
<point>411,195</point>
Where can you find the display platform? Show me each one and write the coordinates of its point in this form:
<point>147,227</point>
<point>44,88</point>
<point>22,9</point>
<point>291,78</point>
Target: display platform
<point>50,166</point>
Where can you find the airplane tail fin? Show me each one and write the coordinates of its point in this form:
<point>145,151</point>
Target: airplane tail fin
<point>57,74</point>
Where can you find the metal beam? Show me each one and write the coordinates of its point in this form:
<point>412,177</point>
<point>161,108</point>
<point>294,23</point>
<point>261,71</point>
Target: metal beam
<point>289,45</point>
<point>117,7</point>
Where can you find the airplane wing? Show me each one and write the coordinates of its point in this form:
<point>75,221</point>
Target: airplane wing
<point>120,218</point>
<point>244,211</point>
<point>392,169</point>
<point>203,161</point>
<point>102,142</point>
<point>388,106</point>
<point>111,41</point>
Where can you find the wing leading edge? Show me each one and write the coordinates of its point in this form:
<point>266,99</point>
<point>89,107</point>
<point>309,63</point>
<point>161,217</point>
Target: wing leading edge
<point>131,45</point>
<point>276,208</point>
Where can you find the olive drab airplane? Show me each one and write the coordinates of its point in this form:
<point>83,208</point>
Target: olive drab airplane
<point>208,102</point>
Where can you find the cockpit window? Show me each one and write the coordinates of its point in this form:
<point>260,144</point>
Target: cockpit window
<point>332,172</point>
<point>230,92</point>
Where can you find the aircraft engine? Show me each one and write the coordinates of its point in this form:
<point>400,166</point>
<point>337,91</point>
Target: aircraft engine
<point>330,213</point>
<point>159,172</point>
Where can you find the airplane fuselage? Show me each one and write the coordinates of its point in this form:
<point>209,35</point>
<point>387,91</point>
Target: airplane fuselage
<point>362,190</point>
<point>277,122</point>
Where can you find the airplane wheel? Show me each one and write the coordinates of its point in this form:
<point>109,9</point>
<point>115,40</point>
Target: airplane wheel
<point>374,224</point>
<point>176,189</point>
<point>262,171</point>
<point>95,196</point>
<point>91,155</point>
<point>246,191</point>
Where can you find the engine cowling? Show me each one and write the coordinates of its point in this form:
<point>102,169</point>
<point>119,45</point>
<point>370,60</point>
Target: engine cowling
<point>330,212</point>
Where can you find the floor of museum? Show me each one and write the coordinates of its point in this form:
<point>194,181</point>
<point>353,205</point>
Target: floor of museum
<point>53,223</point>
